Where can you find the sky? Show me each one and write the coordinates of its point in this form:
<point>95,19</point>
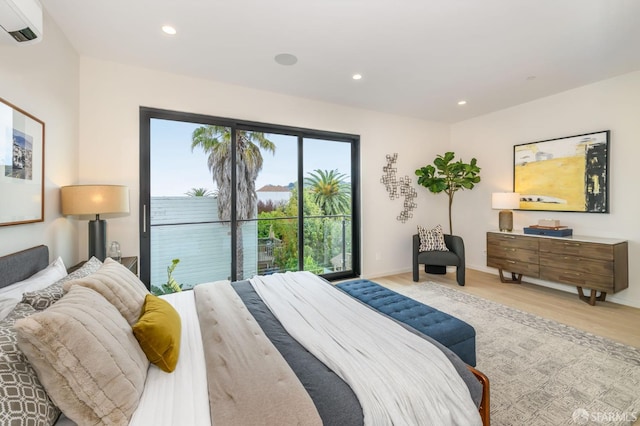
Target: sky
<point>175,169</point>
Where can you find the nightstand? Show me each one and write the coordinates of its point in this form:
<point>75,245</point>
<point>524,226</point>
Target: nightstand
<point>131,263</point>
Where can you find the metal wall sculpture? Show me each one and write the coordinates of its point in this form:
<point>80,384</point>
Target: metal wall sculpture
<point>399,187</point>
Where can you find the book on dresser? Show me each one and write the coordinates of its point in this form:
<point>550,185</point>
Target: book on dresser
<point>554,231</point>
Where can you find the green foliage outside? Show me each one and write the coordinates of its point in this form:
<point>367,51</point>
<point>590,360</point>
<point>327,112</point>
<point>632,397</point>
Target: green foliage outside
<point>171,286</point>
<point>320,232</point>
<point>201,192</point>
<point>329,191</point>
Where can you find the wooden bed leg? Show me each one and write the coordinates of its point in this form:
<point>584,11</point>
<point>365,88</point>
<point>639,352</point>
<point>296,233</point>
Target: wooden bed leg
<point>485,407</point>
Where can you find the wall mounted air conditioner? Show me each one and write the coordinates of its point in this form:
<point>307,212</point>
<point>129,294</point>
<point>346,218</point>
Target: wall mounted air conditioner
<point>22,19</point>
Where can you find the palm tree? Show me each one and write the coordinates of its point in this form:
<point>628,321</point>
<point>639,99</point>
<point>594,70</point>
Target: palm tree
<point>216,141</point>
<point>330,191</point>
<point>332,194</point>
<point>200,192</point>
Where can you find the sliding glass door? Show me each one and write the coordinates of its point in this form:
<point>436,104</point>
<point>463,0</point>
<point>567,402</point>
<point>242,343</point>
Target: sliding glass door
<point>328,200</point>
<point>231,199</point>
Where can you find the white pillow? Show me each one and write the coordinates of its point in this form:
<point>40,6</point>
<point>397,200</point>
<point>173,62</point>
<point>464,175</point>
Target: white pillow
<point>38,281</point>
<point>6,306</point>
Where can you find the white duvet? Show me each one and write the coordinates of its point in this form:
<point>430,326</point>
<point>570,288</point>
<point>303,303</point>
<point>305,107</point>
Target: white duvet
<point>182,397</point>
<point>398,377</point>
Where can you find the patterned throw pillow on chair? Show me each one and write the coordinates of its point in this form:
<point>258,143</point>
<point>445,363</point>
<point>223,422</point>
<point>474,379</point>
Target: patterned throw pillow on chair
<point>432,239</point>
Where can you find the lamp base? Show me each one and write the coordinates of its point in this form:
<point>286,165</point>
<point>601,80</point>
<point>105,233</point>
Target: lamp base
<point>98,239</point>
<point>505,220</point>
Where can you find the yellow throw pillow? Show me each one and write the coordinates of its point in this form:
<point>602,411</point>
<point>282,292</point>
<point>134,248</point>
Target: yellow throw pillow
<point>158,332</point>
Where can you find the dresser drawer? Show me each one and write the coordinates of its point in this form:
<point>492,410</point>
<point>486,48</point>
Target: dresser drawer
<point>516,266</point>
<point>512,253</point>
<point>579,279</point>
<point>577,248</point>
<point>576,264</point>
<point>512,241</point>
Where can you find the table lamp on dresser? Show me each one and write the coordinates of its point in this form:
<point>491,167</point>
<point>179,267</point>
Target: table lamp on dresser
<point>505,202</point>
<point>79,200</point>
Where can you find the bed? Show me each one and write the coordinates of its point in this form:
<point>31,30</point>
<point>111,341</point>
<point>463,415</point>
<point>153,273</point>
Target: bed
<point>248,354</point>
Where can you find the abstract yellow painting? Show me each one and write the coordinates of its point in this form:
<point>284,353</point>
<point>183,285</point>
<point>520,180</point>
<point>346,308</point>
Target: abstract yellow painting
<point>564,174</point>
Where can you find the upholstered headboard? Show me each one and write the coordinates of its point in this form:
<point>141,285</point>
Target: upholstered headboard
<point>22,264</point>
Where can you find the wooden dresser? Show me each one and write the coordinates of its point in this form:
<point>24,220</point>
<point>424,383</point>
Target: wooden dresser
<point>598,264</point>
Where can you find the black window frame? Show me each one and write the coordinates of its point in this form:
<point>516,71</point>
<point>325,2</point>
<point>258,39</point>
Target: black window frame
<point>149,113</point>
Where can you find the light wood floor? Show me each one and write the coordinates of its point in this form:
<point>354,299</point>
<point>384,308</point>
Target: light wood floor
<point>616,322</point>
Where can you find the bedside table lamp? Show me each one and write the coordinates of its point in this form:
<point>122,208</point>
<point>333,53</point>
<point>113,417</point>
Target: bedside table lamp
<point>505,202</point>
<point>81,200</point>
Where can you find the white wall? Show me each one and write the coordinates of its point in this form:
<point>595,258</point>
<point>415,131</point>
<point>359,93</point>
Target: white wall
<point>110,97</point>
<point>42,79</point>
<point>612,104</point>
<point>90,109</point>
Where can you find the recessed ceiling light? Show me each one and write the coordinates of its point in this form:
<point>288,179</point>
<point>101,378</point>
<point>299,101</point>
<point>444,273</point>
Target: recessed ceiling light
<point>168,29</point>
<point>357,76</point>
<point>462,102</point>
<point>286,59</point>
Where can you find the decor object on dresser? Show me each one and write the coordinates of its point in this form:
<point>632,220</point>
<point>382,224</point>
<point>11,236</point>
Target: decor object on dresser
<point>552,231</point>
<point>95,200</point>
<point>436,261</point>
<point>449,177</point>
<point>563,174</point>
<point>505,202</point>
<point>399,188</point>
<point>22,168</point>
<point>599,264</point>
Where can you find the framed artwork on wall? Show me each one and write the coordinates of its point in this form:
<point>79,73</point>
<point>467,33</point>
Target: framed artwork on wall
<point>569,174</point>
<point>21,166</point>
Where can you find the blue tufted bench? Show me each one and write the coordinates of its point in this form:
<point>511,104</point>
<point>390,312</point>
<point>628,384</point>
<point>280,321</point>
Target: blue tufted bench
<point>450,331</point>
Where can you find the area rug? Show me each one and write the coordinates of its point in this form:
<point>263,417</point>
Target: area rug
<point>543,372</point>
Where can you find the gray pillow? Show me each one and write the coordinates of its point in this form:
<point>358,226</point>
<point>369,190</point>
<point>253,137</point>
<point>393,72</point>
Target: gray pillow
<point>23,399</point>
<point>46,297</point>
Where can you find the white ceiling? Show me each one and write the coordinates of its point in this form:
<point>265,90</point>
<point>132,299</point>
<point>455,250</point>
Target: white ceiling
<point>418,58</point>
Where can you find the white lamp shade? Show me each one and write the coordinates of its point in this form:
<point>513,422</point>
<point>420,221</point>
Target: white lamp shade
<point>505,200</point>
<point>94,199</point>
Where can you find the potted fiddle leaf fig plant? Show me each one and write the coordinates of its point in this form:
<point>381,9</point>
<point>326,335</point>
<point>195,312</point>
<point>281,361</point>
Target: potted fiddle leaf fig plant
<point>448,176</point>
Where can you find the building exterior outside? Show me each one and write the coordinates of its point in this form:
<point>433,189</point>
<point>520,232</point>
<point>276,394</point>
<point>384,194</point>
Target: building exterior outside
<point>187,228</point>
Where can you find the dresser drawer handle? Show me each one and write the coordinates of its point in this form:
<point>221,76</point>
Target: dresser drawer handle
<point>511,261</point>
<point>572,244</point>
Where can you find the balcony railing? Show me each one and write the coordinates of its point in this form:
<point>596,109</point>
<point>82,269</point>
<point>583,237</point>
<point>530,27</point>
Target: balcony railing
<point>181,227</point>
